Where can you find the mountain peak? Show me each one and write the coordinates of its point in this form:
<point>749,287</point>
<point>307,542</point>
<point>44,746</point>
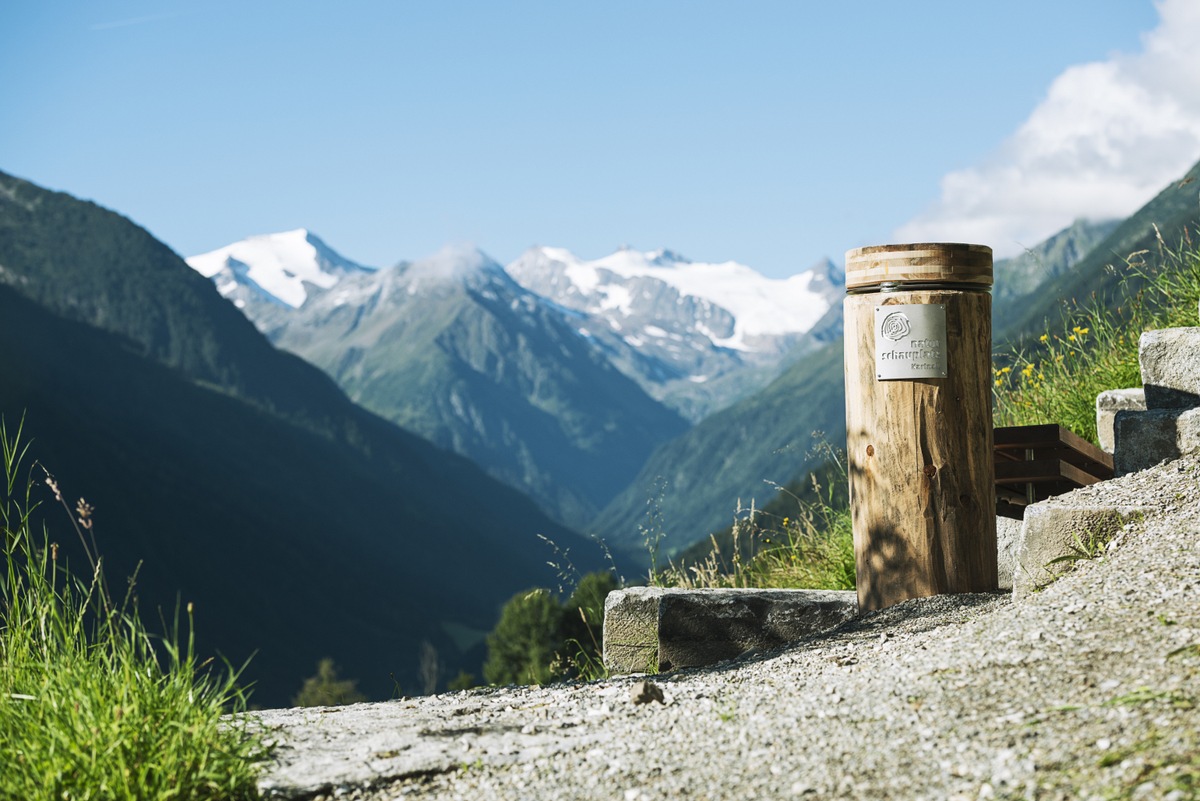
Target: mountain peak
<point>627,260</point>
<point>459,265</point>
<point>281,265</point>
<point>666,258</point>
<point>761,306</point>
<point>294,234</point>
<point>828,270</point>
<point>454,263</point>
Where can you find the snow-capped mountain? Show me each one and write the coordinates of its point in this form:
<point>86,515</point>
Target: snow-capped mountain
<point>278,268</point>
<point>556,374</point>
<point>452,348</point>
<point>695,335</point>
<point>750,307</point>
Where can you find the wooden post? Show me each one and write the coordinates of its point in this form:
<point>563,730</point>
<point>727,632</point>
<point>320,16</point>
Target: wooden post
<point>918,366</point>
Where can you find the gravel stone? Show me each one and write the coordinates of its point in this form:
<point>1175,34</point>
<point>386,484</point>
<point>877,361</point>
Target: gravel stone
<point>1087,689</point>
<point>645,692</point>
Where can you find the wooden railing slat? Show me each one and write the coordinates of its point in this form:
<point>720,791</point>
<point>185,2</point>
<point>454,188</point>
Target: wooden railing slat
<point>1061,461</point>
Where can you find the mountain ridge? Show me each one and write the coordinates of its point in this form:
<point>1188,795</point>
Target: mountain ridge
<point>452,348</point>
<point>695,336</point>
<point>660,318</point>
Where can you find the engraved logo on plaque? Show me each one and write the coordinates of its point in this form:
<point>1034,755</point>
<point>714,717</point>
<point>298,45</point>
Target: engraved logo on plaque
<point>910,341</point>
<point>895,326</point>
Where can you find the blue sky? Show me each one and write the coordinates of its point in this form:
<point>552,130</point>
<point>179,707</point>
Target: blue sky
<point>771,133</point>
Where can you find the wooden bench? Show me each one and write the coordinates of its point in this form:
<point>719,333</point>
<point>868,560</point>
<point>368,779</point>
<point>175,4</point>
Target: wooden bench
<point>1038,462</point>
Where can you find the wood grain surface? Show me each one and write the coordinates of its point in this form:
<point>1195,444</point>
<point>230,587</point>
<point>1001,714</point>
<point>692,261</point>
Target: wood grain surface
<point>920,458</point>
<point>933,262</point>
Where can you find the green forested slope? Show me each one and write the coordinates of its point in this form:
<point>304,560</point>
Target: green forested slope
<point>694,483</point>
<point>301,525</point>
<point>1174,213</point>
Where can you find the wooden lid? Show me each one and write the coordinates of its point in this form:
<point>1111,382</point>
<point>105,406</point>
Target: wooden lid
<point>926,263</point>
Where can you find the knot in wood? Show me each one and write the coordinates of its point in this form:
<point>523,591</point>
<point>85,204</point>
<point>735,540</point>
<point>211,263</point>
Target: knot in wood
<point>930,471</point>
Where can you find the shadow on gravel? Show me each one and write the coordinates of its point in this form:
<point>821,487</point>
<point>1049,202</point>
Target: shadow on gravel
<point>915,616</point>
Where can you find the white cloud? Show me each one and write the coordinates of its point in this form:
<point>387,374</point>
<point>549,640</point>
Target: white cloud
<point>1107,138</point>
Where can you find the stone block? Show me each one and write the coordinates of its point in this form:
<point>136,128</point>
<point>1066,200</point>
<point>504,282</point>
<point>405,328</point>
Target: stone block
<point>631,630</point>
<point>1108,404</point>
<point>648,629</point>
<point>1056,533</point>
<point>1008,537</point>
<point>1143,439</point>
<point>1170,361</point>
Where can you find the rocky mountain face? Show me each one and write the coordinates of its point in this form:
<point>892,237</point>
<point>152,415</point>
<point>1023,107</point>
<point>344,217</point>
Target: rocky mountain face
<point>699,337</point>
<point>696,336</point>
<point>1017,279</point>
<point>558,376</point>
<point>241,478</point>
<point>453,349</point>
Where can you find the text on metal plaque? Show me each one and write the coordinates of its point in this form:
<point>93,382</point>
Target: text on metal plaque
<point>910,341</point>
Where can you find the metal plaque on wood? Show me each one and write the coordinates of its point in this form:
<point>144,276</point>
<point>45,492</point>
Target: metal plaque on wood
<point>910,341</point>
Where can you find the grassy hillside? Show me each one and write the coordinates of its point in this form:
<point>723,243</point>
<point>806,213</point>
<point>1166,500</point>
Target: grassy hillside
<point>1094,347</point>
<point>1021,278</point>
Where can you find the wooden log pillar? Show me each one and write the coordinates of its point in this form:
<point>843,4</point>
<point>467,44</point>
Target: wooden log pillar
<point>918,367</point>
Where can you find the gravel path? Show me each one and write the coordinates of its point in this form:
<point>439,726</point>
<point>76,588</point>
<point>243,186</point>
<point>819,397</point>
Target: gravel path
<point>1087,689</point>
